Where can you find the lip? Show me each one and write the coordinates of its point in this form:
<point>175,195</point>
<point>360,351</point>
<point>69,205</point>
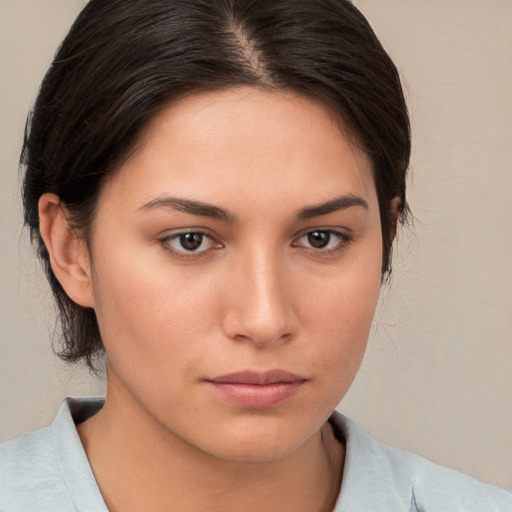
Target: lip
<point>257,390</point>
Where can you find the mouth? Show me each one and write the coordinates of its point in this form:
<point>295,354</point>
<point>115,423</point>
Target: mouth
<point>257,390</point>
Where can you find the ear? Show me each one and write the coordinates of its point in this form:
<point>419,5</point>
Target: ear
<point>69,256</point>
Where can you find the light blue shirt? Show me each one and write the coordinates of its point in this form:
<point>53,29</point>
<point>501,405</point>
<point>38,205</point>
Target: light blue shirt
<point>48,471</point>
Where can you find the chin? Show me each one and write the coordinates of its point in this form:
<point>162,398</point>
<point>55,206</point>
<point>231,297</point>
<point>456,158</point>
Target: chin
<point>259,441</point>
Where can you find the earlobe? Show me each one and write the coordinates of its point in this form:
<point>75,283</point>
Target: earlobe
<point>69,255</point>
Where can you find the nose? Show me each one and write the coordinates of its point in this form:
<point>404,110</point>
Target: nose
<point>260,305</point>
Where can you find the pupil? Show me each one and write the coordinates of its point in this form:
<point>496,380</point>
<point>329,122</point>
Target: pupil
<point>191,241</point>
<point>318,239</point>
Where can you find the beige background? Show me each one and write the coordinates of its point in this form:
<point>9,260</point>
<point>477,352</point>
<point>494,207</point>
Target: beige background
<point>436,378</point>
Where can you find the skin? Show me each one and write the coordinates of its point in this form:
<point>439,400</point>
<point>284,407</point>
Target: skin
<point>256,295</point>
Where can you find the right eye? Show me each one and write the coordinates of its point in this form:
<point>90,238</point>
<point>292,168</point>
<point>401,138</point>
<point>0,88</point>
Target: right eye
<point>190,243</point>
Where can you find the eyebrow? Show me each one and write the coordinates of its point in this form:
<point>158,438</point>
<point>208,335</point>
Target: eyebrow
<point>339,203</point>
<point>214,212</point>
<point>188,206</point>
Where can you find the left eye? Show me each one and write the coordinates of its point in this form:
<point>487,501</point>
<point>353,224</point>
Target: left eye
<point>322,239</point>
<point>190,242</point>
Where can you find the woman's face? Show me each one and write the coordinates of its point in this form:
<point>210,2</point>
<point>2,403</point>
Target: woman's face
<point>235,268</point>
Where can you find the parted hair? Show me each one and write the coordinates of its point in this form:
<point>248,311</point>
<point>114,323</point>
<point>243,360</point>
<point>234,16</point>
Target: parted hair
<point>124,60</point>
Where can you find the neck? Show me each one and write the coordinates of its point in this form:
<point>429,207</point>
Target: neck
<point>139,465</point>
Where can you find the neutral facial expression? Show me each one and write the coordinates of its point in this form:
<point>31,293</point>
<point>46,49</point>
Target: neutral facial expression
<point>236,263</point>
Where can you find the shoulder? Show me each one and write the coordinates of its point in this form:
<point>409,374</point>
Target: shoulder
<point>386,478</point>
<point>28,469</point>
<point>47,469</point>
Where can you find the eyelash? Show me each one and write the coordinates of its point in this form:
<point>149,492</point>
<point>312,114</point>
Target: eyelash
<point>184,254</point>
<point>344,240</point>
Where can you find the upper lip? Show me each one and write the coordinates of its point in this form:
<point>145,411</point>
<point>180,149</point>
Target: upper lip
<point>258,377</point>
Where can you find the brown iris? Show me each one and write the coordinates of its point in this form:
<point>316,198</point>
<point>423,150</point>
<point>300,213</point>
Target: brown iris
<point>191,241</point>
<point>319,239</point>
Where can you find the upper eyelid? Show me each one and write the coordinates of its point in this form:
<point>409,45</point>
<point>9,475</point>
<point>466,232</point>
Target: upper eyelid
<point>342,232</point>
<point>174,236</point>
<point>171,233</point>
<point>334,232</point>
<point>165,241</point>
<point>344,240</point>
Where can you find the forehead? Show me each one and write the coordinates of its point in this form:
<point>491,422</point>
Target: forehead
<point>245,140</point>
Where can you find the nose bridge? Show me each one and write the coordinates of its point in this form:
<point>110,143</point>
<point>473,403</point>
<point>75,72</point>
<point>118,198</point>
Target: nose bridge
<point>260,308</point>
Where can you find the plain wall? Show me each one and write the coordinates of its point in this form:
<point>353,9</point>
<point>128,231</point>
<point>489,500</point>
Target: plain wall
<point>436,377</point>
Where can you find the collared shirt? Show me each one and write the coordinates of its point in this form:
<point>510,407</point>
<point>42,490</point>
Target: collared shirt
<point>48,471</point>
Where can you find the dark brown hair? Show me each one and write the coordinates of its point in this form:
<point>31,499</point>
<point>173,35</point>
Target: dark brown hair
<point>124,60</point>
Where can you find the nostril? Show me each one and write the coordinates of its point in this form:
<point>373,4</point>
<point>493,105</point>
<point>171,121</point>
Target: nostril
<point>242,326</point>
<point>259,307</point>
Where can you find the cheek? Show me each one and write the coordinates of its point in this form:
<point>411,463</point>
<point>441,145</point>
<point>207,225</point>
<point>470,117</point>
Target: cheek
<point>339,314</point>
<point>154,338</point>
<point>148,311</point>
<point>154,315</point>
<point>345,323</point>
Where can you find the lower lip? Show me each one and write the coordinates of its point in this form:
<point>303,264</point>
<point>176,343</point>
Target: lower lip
<point>257,396</point>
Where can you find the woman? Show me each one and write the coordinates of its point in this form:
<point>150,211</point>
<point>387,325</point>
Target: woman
<point>214,188</point>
